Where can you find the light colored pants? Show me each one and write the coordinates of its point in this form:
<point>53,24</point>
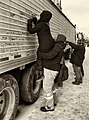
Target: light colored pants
<point>48,87</point>
<point>77,71</point>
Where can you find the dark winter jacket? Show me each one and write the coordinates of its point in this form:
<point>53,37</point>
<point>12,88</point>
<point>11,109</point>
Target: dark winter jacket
<point>52,59</point>
<point>46,42</point>
<point>78,54</point>
<point>57,49</point>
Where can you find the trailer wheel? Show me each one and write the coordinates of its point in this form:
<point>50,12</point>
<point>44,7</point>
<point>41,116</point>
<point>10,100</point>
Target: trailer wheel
<point>9,97</point>
<point>30,89</point>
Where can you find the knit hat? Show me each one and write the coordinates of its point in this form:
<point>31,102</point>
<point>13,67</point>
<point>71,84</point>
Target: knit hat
<point>61,37</point>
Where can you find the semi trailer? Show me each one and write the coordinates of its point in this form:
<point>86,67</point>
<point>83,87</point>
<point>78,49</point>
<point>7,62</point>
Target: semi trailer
<point>18,68</point>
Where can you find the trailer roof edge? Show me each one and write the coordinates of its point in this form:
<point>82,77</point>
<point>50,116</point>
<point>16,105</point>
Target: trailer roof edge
<point>61,13</point>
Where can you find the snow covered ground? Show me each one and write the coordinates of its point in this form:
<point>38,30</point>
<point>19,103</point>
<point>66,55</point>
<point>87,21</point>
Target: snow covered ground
<point>73,100</point>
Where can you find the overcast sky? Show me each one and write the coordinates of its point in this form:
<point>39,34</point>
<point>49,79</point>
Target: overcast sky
<point>78,13</point>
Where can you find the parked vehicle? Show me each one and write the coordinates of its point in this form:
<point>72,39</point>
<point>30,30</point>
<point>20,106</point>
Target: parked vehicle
<point>18,73</point>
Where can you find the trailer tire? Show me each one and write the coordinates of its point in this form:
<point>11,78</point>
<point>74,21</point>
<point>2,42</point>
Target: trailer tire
<point>9,97</point>
<point>30,89</point>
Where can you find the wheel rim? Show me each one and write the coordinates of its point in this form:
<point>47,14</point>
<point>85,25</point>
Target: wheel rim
<point>7,102</point>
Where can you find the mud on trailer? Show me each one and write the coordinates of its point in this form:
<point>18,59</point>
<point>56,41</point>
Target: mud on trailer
<point>18,71</point>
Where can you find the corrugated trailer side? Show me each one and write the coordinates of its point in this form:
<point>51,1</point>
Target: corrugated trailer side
<point>17,46</point>
<point>18,50</point>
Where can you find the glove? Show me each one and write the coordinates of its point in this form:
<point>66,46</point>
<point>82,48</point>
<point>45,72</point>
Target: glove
<point>29,23</point>
<point>34,20</point>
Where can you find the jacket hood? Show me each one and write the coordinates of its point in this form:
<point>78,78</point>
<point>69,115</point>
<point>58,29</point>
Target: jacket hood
<point>61,37</point>
<point>45,16</point>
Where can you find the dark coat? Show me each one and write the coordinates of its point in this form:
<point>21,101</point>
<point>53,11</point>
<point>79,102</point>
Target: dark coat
<point>78,54</point>
<point>52,59</point>
<point>46,42</point>
<point>53,64</point>
<point>57,49</point>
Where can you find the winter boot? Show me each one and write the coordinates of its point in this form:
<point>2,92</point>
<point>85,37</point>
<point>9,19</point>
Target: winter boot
<point>46,109</point>
<point>76,83</point>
